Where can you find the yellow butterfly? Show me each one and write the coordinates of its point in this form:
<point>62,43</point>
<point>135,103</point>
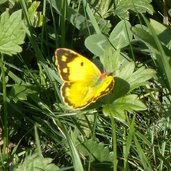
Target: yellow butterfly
<point>83,81</point>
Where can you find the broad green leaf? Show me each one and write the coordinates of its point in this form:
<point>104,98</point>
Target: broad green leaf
<point>123,7</point>
<point>127,80</point>
<point>96,151</point>
<point>140,77</point>
<point>127,70</point>
<point>169,12</point>
<point>21,92</point>
<point>97,43</point>
<point>12,33</point>
<point>36,163</point>
<point>121,88</point>
<point>158,27</point>
<point>137,78</point>
<point>143,34</point>
<point>121,35</point>
<point>110,60</point>
<point>128,103</point>
<point>2,1</point>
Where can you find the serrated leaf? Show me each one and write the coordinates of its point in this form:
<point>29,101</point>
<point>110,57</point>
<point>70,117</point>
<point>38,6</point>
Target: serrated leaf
<point>127,70</point>
<point>124,6</point>
<point>127,80</point>
<point>12,33</point>
<point>37,163</point>
<point>96,151</point>
<point>140,77</point>
<point>128,103</point>
<point>137,78</point>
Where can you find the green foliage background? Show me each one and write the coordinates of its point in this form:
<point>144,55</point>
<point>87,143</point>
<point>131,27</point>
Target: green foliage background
<point>129,129</point>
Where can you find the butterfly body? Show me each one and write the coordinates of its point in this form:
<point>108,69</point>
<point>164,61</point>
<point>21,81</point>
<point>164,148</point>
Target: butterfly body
<point>83,81</point>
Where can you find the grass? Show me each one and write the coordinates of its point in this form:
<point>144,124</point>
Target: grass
<point>129,129</point>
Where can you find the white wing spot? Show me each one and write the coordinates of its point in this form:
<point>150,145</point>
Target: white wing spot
<point>64,58</point>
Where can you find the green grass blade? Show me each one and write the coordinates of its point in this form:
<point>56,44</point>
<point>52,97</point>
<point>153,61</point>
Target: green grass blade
<point>115,161</point>
<point>163,59</point>
<point>74,153</point>
<point>142,156</point>
<point>91,16</point>
<point>127,148</point>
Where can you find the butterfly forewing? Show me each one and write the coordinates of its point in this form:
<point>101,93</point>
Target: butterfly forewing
<point>74,67</point>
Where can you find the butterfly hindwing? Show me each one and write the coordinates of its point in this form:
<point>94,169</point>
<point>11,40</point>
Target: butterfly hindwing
<point>104,88</point>
<point>78,95</point>
<point>75,96</point>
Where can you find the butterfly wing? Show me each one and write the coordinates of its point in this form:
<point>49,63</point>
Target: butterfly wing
<point>74,67</point>
<point>83,81</point>
<point>78,95</point>
<point>103,88</point>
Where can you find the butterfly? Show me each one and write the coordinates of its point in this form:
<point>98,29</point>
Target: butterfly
<point>83,81</point>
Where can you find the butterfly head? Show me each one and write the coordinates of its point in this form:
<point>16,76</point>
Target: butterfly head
<point>103,75</point>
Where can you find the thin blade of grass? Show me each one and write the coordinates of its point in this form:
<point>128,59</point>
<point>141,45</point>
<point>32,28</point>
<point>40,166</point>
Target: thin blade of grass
<point>142,156</point>
<point>128,143</point>
<point>74,153</point>
<point>162,59</point>
<point>91,16</point>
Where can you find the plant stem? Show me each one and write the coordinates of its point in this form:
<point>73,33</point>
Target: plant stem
<point>5,113</point>
<point>114,144</point>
